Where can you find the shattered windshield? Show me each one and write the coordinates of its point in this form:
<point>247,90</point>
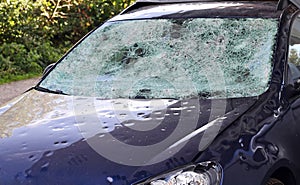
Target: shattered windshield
<point>170,58</point>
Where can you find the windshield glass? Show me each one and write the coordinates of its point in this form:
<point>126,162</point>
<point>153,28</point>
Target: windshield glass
<point>170,58</point>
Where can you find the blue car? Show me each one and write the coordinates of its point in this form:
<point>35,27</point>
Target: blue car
<point>168,92</point>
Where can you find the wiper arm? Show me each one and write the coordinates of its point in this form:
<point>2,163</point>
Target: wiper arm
<point>49,91</point>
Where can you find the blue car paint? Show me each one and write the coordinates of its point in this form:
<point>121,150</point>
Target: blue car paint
<point>258,136</point>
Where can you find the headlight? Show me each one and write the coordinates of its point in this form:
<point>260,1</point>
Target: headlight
<point>205,173</point>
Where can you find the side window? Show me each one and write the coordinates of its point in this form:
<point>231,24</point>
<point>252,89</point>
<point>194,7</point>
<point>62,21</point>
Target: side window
<point>294,54</point>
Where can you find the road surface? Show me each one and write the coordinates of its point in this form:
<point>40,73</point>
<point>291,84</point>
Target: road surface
<point>13,89</point>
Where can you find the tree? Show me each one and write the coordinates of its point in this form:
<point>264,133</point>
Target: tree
<point>294,57</point>
<point>40,31</point>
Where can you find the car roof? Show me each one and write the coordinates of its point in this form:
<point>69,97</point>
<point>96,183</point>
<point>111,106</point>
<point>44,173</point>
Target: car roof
<point>193,8</point>
<point>189,1</point>
<point>280,2</point>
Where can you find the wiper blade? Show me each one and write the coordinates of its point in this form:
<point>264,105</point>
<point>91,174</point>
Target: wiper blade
<point>49,91</point>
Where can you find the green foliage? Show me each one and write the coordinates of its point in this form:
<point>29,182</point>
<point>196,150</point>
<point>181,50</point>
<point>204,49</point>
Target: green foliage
<point>35,33</point>
<point>10,78</point>
<point>294,57</point>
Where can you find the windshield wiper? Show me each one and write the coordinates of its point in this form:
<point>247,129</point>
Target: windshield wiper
<point>49,91</point>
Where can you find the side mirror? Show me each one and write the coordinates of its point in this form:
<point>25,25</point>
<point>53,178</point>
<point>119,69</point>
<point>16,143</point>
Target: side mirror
<point>291,91</point>
<point>297,84</point>
<point>48,68</point>
<point>292,88</point>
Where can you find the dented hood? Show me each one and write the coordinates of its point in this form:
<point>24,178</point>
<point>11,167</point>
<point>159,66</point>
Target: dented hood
<point>49,138</point>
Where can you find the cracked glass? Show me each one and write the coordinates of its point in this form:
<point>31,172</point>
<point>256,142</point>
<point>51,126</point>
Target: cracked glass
<point>170,58</point>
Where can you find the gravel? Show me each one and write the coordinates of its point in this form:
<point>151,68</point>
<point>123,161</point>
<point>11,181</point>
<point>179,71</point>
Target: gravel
<point>13,89</point>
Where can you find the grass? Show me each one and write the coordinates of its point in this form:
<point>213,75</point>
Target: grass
<point>12,78</point>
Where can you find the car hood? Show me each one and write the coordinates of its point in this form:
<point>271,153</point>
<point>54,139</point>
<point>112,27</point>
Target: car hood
<point>57,139</point>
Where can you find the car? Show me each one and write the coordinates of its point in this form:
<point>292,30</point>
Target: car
<point>168,92</point>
